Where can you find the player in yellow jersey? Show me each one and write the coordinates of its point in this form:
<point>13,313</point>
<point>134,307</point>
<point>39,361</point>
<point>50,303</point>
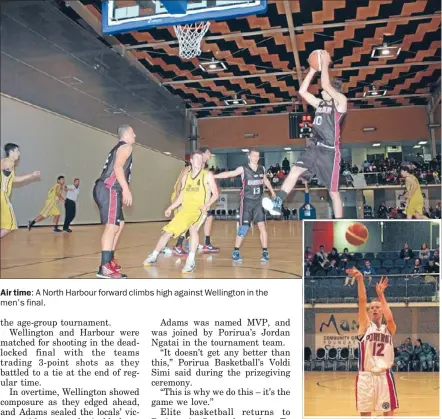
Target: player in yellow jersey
<point>8,178</point>
<point>414,199</point>
<point>50,209</point>
<point>198,192</point>
<point>207,247</point>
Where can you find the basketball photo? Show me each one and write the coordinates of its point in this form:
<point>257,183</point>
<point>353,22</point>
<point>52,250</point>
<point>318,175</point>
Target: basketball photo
<point>189,138</point>
<point>371,318</point>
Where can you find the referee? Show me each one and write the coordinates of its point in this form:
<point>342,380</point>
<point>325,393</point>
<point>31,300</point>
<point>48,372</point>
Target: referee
<point>70,204</point>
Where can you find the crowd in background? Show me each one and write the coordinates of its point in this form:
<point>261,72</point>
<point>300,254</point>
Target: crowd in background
<point>407,355</point>
<point>423,261</point>
<point>376,172</point>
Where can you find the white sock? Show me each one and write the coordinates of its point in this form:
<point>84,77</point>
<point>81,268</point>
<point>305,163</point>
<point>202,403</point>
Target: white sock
<point>191,257</point>
<point>155,254</point>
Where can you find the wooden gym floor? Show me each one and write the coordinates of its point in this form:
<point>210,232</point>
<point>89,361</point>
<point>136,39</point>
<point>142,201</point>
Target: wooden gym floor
<point>41,253</point>
<point>333,394</point>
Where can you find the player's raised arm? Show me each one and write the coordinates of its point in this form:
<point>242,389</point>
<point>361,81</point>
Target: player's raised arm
<point>339,99</point>
<point>306,95</point>
<point>363,319</point>
<point>380,291</point>
<point>233,173</point>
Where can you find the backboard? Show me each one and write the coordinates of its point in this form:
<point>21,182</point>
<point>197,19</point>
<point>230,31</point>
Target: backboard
<point>120,16</point>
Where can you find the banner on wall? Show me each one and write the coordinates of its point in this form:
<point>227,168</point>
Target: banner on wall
<point>400,200</point>
<point>222,202</point>
<point>336,330</point>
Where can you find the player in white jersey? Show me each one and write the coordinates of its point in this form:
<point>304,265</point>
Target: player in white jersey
<point>375,387</point>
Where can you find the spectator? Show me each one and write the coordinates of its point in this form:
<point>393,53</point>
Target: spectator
<point>405,351</point>
<point>368,271</point>
<point>406,252</point>
<point>345,258</point>
<point>334,255</point>
<point>383,210</point>
<point>281,175</point>
<point>436,255</point>
<point>320,257</point>
<point>424,253</point>
<point>355,170</point>
<point>308,254</point>
<point>417,268</point>
<point>275,180</point>
<point>333,268</point>
<point>366,165</point>
<point>309,268</point>
<point>431,268</point>
<point>423,352</point>
<point>286,164</point>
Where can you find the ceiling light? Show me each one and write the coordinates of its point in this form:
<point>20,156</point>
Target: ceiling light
<point>213,66</point>
<point>167,153</point>
<point>287,148</point>
<point>376,145</point>
<point>385,51</point>
<point>369,129</point>
<point>374,92</point>
<point>235,102</point>
<point>417,146</point>
<point>423,142</point>
<point>245,150</point>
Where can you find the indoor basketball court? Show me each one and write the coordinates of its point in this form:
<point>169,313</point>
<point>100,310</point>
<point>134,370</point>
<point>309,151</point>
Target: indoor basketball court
<point>77,256</point>
<point>332,394</point>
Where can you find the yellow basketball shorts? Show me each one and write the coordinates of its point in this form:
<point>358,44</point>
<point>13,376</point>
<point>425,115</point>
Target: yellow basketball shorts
<point>414,207</point>
<point>7,216</point>
<point>50,209</point>
<point>183,221</point>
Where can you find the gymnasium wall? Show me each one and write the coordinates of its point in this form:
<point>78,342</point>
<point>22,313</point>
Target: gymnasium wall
<point>414,322</point>
<point>55,145</point>
<point>383,236</point>
<point>399,124</point>
<point>438,131</point>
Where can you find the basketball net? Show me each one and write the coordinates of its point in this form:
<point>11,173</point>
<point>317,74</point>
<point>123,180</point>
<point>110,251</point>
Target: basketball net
<point>190,37</point>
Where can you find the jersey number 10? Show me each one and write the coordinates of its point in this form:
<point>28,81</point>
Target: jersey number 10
<point>317,120</point>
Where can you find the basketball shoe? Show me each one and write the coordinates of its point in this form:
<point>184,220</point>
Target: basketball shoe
<point>189,267</point>
<point>236,257</point>
<point>208,248</point>
<point>114,265</point>
<point>106,272</point>
<point>150,260</point>
<point>265,256</point>
<point>273,207</point>
<point>178,250</point>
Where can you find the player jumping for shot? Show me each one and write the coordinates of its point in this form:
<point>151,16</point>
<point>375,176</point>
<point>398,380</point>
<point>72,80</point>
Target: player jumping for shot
<point>322,156</point>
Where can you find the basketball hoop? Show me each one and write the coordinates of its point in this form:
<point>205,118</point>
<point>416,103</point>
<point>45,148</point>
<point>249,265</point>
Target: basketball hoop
<point>190,37</point>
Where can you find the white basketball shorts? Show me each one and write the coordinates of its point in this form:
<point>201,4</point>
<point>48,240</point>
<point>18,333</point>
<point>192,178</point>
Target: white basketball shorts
<point>376,392</point>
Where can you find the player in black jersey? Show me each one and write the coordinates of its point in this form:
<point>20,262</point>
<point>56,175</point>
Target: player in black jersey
<point>253,180</point>
<point>111,193</point>
<point>322,156</point>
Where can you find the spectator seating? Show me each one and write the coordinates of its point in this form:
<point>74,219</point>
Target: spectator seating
<point>346,359</point>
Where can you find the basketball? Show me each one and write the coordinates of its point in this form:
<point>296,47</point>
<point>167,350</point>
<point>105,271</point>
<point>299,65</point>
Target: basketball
<point>314,59</point>
<point>357,234</point>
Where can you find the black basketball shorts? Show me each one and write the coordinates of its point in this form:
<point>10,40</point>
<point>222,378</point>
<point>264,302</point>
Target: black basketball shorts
<point>110,204</point>
<point>251,210</point>
<point>325,163</point>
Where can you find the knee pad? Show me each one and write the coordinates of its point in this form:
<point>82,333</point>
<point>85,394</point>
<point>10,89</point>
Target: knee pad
<point>242,230</point>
